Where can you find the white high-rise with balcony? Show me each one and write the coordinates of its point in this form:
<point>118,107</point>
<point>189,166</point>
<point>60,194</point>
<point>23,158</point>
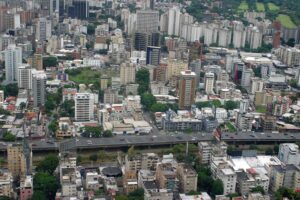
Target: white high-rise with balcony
<point>13,60</point>
<point>84,107</point>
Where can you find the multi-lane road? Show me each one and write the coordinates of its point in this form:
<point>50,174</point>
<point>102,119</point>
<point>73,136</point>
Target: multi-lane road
<point>157,140</point>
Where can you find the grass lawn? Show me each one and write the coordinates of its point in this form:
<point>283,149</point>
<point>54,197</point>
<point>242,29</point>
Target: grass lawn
<point>243,6</point>
<point>261,109</point>
<point>86,76</point>
<point>260,7</point>
<point>230,127</point>
<point>286,21</point>
<point>273,7</point>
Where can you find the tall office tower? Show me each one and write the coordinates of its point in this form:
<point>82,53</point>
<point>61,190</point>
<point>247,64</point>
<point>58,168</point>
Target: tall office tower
<point>43,29</point>
<point>24,77</point>
<point>13,60</point>
<point>79,9</point>
<point>127,73</point>
<point>36,61</point>
<point>39,89</point>
<point>244,105</point>
<point>187,89</point>
<point>153,55</point>
<point>12,20</point>
<point>174,21</point>
<point>61,8</point>
<point>289,154</point>
<point>147,21</point>
<point>143,40</point>
<point>46,7</point>
<point>209,80</point>
<point>84,107</point>
<point>19,159</point>
<point>246,77</point>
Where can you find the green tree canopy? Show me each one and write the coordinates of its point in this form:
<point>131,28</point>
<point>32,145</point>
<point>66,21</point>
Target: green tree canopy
<point>143,79</point>
<point>9,137</point>
<point>217,188</point>
<point>49,61</point>
<point>53,126</point>
<point>45,183</point>
<point>11,90</point>
<point>159,107</point>
<point>148,100</point>
<point>48,164</point>
<point>38,195</point>
<point>259,189</point>
<point>230,105</point>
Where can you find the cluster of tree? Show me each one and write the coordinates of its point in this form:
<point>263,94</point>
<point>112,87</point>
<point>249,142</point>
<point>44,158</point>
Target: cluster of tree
<point>45,184</point>
<point>67,108</point>
<point>286,192</point>
<point>196,9</point>
<point>10,89</point>
<point>228,105</point>
<point>207,183</point>
<point>265,48</point>
<point>53,126</point>
<point>53,100</point>
<point>138,194</point>
<point>49,61</point>
<point>73,72</point>
<point>95,132</point>
<point>9,137</point>
<point>143,79</point>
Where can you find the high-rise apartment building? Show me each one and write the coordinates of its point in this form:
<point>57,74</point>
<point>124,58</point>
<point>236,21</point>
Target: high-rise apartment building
<point>36,61</point>
<point>84,107</point>
<point>289,153</point>
<point>209,80</point>
<point>153,55</point>
<point>187,89</point>
<point>13,60</point>
<point>147,21</point>
<point>24,77</point>
<point>19,159</point>
<point>127,73</point>
<point>174,21</point>
<point>43,29</point>
<point>39,89</point>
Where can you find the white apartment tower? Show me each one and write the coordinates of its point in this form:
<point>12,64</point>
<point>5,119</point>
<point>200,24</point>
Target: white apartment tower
<point>127,73</point>
<point>43,29</point>
<point>209,82</point>
<point>13,60</point>
<point>174,21</point>
<point>84,107</point>
<point>289,153</point>
<point>39,89</point>
<point>147,21</point>
<point>24,77</point>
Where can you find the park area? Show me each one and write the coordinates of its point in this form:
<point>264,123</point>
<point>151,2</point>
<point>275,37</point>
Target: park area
<point>243,6</point>
<point>286,21</point>
<point>273,7</point>
<point>261,109</point>
<point>260,7</point>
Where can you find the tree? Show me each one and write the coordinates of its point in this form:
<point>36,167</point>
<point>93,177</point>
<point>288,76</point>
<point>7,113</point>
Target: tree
<point>131,152</point>
<point>291,42</point>
<point>230,105</point>
<point>159,107</point>
<point>92,131</point>
<point>5,198</point>
<point>9,137</point>
<point>93,157</point>
<point>22,105</point>
<point>143,79</point>
<point>203,104</point>
<point>38,195</point>
<point>79,159</point>
<point>137,194</point>
<point>148,100</point>
<point>269,151</point>
<point>68,108</point>
<point>49,61</point>
<point>45,183</point>
<point>293,83</point>
<point>259,189</point>
<point>122,197</point>
<point>91,29</point>
<point>53,126</point>
<point>107,133</point>
<point>48,164</point>
<point>11,90</point>
<point>217,188</point>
